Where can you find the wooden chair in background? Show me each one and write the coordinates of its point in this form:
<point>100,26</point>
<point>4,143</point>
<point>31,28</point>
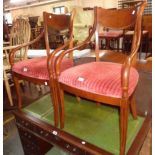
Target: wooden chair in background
<point>35,70</point>
<point>19,34</point>
<point>104,82</point>
<point>110,37</point>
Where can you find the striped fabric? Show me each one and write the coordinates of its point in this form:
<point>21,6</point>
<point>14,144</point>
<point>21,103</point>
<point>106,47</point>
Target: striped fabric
<point>102,78</point>
<point>37,67</point>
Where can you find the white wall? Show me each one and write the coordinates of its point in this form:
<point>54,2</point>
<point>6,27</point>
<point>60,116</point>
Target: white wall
<point>101,3</point>
<point>110,3</point>
<point>38,10</point>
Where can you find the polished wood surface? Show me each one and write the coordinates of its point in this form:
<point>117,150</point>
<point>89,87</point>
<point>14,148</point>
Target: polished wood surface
<point>36,128</point>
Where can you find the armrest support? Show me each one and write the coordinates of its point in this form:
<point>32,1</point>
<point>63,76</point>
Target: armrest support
<point>6,49</point>
<point>58,61</point>
<point>125,77</point>
<point>130,61</point>
<point>54,64</point>
<point>13,51</point>
<point>52,55</point>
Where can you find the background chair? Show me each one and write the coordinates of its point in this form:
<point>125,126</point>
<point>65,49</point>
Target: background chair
<point>105,82</point>
<point>19,34</point>
<point>110,37</point>
<point>35,69</point>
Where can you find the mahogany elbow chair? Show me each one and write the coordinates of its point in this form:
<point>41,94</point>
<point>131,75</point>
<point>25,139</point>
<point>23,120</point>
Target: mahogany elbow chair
<point>105,82</point>
<point>35,70</point>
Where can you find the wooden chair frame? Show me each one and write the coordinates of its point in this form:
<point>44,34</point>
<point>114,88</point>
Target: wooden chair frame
<point>60,22</point>
<point>125,101</point>
<point>19,34</point>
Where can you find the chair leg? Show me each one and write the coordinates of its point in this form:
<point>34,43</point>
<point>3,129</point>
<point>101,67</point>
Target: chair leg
<point>38,88</point>
<point>62,108</point>
<point>78,99</point>
<point>55,103</point>
<point>18,91</point>
<point>8,90</point>
<point>133,107</point>
<point>118,41</point>
<point>123,125</point>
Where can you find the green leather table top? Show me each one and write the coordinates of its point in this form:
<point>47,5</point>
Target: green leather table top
<point>98,125</point>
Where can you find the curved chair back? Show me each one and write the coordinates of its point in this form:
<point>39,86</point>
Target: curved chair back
<point>120,19</point>
<point>20,33</point>
<point>57,25</point>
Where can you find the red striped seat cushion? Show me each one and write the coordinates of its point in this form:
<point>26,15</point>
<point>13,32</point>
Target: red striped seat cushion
<point>102,78</point>
<point>37,67</point>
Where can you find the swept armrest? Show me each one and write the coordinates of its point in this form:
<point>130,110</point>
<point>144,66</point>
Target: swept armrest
<point>13,52</point>
<point>58,61</point>
<point>125,77</point>
<point>81,45</point>
<point>5,50</point>
<point>51,56</point>
<point>130,61</point>
<point>10,47</point>
<point>54,64</point>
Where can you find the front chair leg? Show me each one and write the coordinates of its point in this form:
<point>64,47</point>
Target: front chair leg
<point>53,93</point>
<point>133,107</point>
<point>18,91</point>
<point>62,110</point>
<point>8,88</point>
<point>78,99</point>
<point>123,125</point>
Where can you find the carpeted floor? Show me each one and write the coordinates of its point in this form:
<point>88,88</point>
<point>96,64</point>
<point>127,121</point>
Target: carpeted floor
<point>12,144</point>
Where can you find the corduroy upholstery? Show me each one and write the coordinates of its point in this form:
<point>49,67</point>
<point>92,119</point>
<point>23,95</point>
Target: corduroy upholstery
<point>37,67</point>
<point>103,78</point>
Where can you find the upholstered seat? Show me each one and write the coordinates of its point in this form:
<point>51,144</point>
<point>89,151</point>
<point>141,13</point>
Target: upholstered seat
<point>103,78</point>
<point>37,67</point>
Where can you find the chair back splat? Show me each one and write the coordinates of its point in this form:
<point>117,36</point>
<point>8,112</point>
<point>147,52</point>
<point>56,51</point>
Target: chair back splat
<point>20,32</point>
<point>59,23</point>
<point>120,19</point>
<point>35,70</point>
<point>105,82</point>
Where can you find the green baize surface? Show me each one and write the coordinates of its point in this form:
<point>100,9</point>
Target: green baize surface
<point>98,125</point>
